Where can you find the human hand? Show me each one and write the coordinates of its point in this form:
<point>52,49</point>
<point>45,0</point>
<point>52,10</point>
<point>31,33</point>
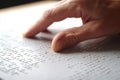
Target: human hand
<point>100,18</point>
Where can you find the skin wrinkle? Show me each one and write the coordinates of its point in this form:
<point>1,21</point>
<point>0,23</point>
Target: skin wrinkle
<point>114,4</point>
<point>71,40</point>
<point>72,6</point>
<point>73,36</point>
<point>100,18</point>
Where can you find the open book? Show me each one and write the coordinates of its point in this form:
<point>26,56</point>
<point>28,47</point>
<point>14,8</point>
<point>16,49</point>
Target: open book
<point>33,59</point>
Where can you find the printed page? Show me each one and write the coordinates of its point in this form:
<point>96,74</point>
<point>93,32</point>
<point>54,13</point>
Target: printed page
<point>33,59</point>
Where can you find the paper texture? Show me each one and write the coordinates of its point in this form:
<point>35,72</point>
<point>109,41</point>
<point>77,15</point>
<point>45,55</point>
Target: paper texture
<point>33,59</point>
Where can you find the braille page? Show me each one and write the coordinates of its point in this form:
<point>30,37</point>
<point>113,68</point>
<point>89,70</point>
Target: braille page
<point>33,59</point>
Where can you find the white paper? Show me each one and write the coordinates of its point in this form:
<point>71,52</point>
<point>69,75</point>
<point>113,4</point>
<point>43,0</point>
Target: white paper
<point>33,59</point>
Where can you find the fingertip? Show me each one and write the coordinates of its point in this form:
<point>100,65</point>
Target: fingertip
<point>67,38</point>
<point>56,47</point>
<point>58,43</point>
<point>29,34</point>
<point>26,35</point>
<point>64,40</point>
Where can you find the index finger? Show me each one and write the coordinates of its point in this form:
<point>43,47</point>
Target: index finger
<point>61,11</point>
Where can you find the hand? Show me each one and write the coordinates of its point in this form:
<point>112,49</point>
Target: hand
<point>100,18</point>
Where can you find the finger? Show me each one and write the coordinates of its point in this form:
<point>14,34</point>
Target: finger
<point>73,36</point>
<point>59,12</point>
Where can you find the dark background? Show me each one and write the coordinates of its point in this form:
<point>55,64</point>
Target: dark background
<point>9,3</point>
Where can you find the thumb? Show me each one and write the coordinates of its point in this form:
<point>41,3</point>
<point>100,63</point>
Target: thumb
<point>73,36</point>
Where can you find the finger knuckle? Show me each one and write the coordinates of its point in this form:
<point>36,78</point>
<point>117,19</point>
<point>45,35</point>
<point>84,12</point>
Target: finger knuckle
<point>47,14</point>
